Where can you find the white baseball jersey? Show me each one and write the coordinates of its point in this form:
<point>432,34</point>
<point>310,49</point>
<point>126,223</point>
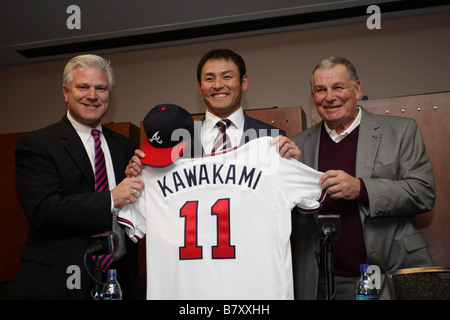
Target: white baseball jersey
<point>218,227</point>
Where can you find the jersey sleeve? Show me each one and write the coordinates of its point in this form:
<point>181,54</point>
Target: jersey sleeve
<point>133,218</point>
<point>300,185</point>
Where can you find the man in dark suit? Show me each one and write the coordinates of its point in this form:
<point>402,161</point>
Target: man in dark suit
<point>222,79</point>
<point>55,185</point>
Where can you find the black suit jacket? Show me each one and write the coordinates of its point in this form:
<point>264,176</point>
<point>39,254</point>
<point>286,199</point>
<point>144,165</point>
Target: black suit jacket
<point>253,128</point>
<point>55,185</point>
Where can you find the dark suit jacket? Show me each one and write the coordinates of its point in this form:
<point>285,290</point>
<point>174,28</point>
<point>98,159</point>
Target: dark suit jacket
<point>253,128</point>
<point>55,185</point>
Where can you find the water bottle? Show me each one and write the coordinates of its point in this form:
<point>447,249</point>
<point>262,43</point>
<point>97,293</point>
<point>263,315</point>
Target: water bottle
<point>365,289</point>
<point>111,289</point>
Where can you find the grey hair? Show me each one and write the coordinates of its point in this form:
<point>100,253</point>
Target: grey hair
<point>86,60</point>
<point>331,62</point>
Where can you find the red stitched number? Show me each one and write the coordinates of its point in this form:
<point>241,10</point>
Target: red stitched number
<point>191,249</point>
<point>223,250</point>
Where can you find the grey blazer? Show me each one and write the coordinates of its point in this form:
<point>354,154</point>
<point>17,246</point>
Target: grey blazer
<point>393,162</point>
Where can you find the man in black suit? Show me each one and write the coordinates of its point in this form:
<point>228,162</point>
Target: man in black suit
<point>55,185</point>
<point>222,79</point>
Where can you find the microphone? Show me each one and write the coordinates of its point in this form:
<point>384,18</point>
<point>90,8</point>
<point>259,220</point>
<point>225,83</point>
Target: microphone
<point>328,229</point>
<point>104,243</point>
<point>328,226</point>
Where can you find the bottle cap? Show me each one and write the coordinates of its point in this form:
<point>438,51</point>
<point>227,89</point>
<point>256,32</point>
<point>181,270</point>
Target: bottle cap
<point>112,272</point>
<point>363,267</point>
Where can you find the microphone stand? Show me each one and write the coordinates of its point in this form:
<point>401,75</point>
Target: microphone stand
<point>105,243</point>
<point>329,263</point>
<point>329,229</point>
<point>97,276</point>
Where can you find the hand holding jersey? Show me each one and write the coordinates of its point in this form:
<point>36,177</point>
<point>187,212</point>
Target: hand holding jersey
<point>218,227</point>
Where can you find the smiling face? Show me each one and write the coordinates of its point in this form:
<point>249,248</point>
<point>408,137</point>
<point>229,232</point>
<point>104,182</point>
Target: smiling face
<point>335,96</point>
<point>221,86</point>
<point>87,97</point>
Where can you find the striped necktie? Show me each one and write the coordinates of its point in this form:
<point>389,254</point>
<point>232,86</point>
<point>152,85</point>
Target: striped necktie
<point>222,140</point>
<point>101,183</point>
<point>101,177</point>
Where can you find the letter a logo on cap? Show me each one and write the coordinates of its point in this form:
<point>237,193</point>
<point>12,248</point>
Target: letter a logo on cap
<point>156,138</point>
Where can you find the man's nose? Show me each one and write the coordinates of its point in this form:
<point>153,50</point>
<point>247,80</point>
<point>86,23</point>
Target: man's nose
<point>91,93</point>
<point>330,95</point>
<point>218,83</point>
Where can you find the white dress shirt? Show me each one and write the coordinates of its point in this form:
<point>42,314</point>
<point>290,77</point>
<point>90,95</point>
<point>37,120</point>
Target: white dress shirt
<point>338,137</point>
<point>87,139</point>
<point>210,130</point>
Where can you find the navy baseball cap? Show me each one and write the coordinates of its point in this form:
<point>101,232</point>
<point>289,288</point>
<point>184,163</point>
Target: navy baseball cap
<point>161,147</point>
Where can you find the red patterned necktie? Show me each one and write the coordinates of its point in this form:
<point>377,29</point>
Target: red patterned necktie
<point>101,183</point>
<point>101,177</point>
<point>222,140</point>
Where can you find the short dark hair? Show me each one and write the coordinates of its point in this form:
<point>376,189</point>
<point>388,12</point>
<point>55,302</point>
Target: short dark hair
<point>226,54</point>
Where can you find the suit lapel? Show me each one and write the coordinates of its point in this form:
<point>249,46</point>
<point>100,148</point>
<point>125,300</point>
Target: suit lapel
<point>246,136</point>
<point>253,130</point>
<point>312,143</point>
<point>116,156</point>
<point>72,143</point>
<point>368,141</point>
<point>247,123</point>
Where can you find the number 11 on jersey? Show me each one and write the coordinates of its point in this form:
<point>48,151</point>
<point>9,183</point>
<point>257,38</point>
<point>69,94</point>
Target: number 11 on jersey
<point>191,249</point>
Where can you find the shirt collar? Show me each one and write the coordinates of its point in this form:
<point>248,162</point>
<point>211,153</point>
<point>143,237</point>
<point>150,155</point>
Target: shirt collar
<point>236,118</point>
<point>83,131</point>
<point>338,137</point>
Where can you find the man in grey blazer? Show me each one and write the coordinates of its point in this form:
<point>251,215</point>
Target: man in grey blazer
<point>378,175</point>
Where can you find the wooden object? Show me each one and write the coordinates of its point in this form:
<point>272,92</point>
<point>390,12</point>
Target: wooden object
<point>14,226</point>
<point>127,129</point>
